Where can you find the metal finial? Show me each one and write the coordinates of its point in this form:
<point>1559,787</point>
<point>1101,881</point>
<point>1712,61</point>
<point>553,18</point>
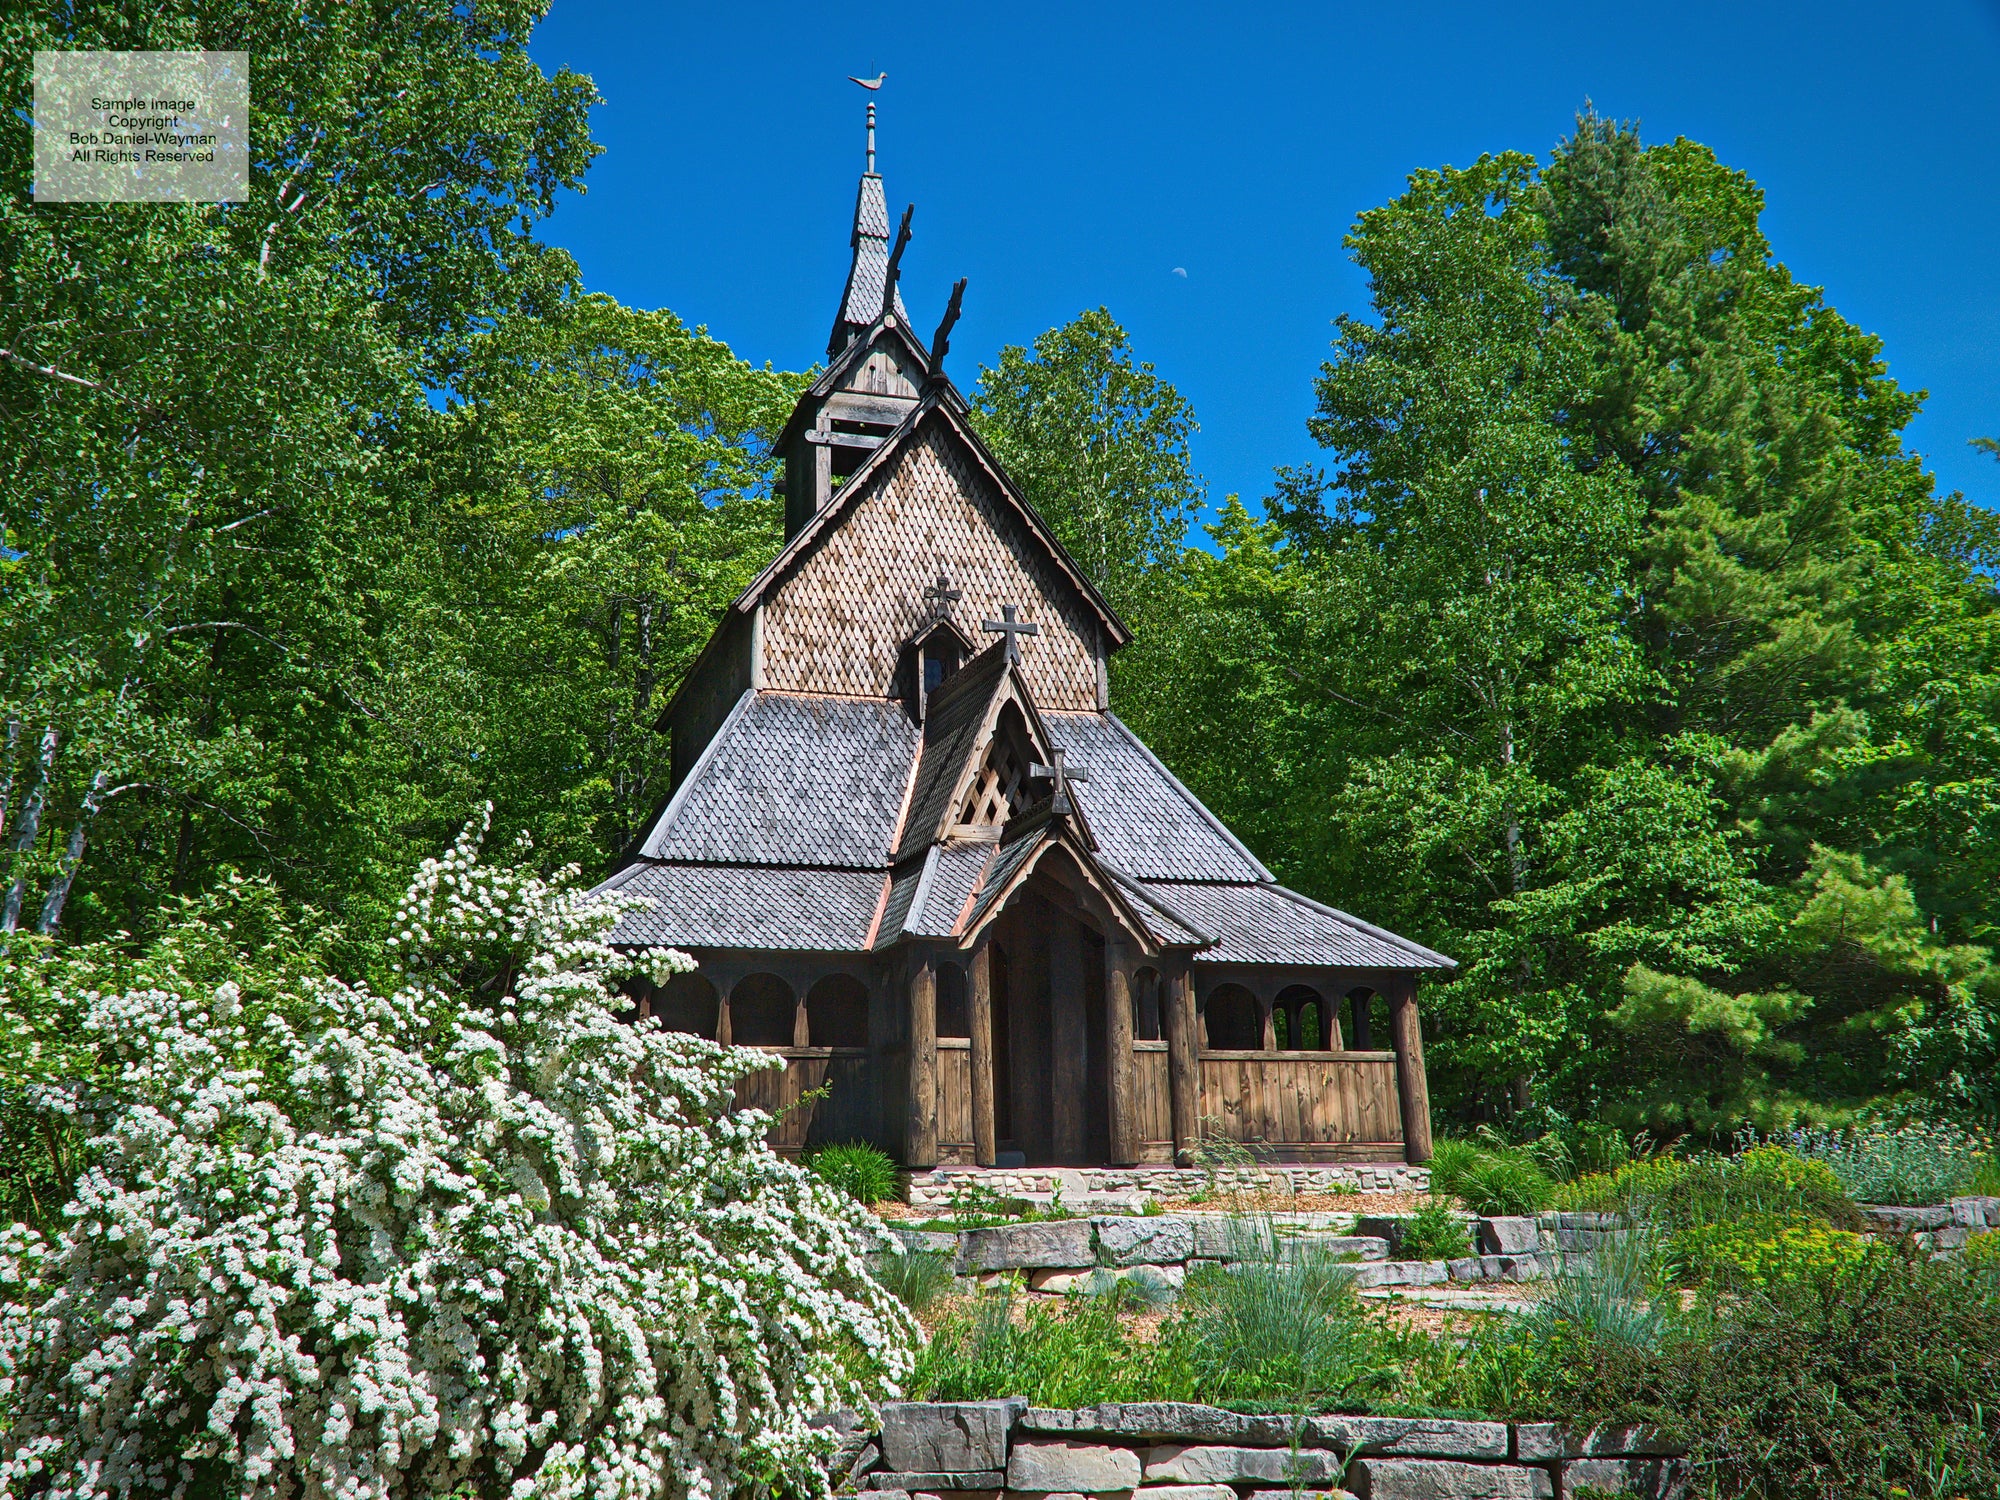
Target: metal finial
<point>871,135</point>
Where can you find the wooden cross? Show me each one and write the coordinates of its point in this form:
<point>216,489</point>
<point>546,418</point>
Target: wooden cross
<point>1012,628</point>
<point>941,596</point>
<point>1061,775</point>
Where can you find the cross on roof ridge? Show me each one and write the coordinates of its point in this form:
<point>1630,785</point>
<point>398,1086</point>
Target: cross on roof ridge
<point>1012,628</point>
<point>941,596</point>
<point>1062,775</point>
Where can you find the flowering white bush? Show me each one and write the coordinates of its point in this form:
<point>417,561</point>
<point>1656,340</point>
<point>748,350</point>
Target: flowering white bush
<point>474,1235</point>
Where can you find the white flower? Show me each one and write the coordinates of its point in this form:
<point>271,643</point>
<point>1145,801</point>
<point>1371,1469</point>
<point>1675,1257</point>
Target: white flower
<point>345,1244</point>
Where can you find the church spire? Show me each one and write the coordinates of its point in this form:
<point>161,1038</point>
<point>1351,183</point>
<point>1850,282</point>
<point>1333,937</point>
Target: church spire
<point>861,302</point>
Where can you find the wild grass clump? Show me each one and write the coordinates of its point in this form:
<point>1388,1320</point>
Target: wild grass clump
<point>1675,1192</point>
<point>864,1173</point>
<point>1435,1232</point>
<point>916,1278</point>
<point>1909,1164</point>
<point>1491,1178</point>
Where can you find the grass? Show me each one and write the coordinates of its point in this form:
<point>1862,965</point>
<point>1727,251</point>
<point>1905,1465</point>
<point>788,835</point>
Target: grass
<point>1911,1165</point>
<point>917,1277</point>
<point>1435,1232</point>
<point>1491,1178</point>
<point>862,1172</point>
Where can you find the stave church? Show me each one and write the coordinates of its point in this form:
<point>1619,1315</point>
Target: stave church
<point>917,855</point>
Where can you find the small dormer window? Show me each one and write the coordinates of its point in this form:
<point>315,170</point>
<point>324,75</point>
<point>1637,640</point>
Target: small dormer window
<point>940,656</point>
<point>936,650</point>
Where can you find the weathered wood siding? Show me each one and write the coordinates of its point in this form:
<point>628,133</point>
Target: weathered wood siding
<point>1153,1100</point>
<point>847,1113</point>
<point>835,623</point>
<point>1301,1098</point>
<point>954,1089</point>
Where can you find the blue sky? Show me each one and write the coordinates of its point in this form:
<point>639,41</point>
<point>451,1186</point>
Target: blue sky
<point>1066,156</point>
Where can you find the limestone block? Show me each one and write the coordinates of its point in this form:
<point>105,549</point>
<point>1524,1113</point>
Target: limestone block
<point>1157,1241</point>
<point>1085,1468</point>
<point>1511,1235</point>
<point>1540,1442</point>
<point>1902,1220</point>
<point>933,1240</point>
<point>1402,1273</point>
<point>989,1479</point>
<point>1410,1437</point>
<point>1186,1492</point>
<point>1289,1494</point>
<point>1468,1268</point>
<point>947,1437</point>
<point>1178,1464</point>
<point>1026,1247</point>
<point>1648,1478</point>
<point>1162,1422</point>
<point>1975,1213</point>
<point>1444,1479</point>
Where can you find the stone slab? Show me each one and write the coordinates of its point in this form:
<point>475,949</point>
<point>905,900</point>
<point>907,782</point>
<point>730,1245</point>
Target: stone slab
<point>1153,1283</point>
<point>933,1241</point>
<point>1361,1246</point>
<point>1177,1463</point>
<point>1509,1235</point>
<point>1027,1247</point>
<point>1903,1220</point>
<point>1289,1494</point>
<point>1541,1442</point>
<point>947,1437</point>
<point>1976,1213</point>
<point>1086,1468</point>
<point>1445,1479</point>
<point>1158,1241</point>
<point>990,1479</point>
<point>1648,1478</point>
<point>1402,1273</point>
<point>1185,1492</point>
<point>1410,1437</point>
<point>1161,1422</point>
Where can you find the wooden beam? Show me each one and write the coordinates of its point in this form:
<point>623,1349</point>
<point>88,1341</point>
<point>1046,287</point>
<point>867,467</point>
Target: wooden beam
<point>1183,1072</point>
<point>1124,1094</point>
<point>920,1143</point>
<point>1068,1038</point>
<point>979,984</point>
<point>1412,1091</point>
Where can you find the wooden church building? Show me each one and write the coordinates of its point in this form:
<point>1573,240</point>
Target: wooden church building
<point>917,855</point>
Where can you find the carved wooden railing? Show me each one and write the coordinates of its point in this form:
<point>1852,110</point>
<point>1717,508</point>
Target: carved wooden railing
<point>1304,1105</point>
<point>845,1114</point>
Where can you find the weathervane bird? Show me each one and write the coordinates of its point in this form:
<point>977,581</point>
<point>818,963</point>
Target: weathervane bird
<point>871,84</point>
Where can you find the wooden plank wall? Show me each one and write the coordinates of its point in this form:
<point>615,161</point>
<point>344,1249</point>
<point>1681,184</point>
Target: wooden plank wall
<point>1302,1098</point>
<point>846,1114</point>
<point>954,1085</point>
<point>1153,1100</point>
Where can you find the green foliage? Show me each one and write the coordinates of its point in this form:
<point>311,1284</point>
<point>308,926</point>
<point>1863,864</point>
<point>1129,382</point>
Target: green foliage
<point>1982,1250</point>
<point>1673,1193</point>
<point>1490,1178</point>
<point>1758,1249</point>
<point>865,1173</point>
<point>916,1278</point>
<point>1916,1163</point>
<point>1435,1232</point>
<point>1074,1353</point>
<point>1099,445</point>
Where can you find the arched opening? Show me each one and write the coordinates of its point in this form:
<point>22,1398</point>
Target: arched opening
<point>1370,1017</point>
<point>1146,1018</point>
<point>1235,1023</point>
<point>762,1012</point>
<point>687,1002</point>
<point>837,1012</point>
<point>954,1007</point>
<point>1304,1022</point>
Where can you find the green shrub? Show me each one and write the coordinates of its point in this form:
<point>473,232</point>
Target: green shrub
<point>1910,1164</point>
<point>1491,1179</point>
<point>1618,1297</point>
<point>862,1172</point>
<point>916,1278</point>
<point>1059,1354</point>
<point>1982,1251</point>
<point>1676,1193</point>
<point>1436,1232</point>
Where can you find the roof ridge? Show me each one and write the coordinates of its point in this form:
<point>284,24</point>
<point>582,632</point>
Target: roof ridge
<point>701,762</point>
<point>1368,927</point>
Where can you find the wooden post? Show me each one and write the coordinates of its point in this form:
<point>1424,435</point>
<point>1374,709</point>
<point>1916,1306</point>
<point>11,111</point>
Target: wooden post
<point>801,1024</point>
<point>979,985</point>
<point>722,1031</point>
<point>920,1148</point>
<point>1183,1065</point>
<point>1411,1090</point>
<point>1269,1006</point>
<point>1118,1043</point>
<point>1069,1039</point>
<point>1364,1041</point>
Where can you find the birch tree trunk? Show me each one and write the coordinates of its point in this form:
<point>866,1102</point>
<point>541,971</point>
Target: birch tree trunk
<point>52,908</point>
<point>30,827</point>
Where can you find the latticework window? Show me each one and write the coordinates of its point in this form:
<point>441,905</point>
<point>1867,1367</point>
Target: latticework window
<point>996,790</point>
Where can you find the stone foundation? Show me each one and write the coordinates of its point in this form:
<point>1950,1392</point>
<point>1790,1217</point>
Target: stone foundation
<point>1171,1451</point>
<point>1085,1187</point>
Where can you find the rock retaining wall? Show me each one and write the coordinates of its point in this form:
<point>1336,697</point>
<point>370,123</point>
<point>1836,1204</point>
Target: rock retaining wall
<point>983,1450</point>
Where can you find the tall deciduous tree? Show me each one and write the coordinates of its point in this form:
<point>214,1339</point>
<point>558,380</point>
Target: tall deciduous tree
<point>1099,444</point>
